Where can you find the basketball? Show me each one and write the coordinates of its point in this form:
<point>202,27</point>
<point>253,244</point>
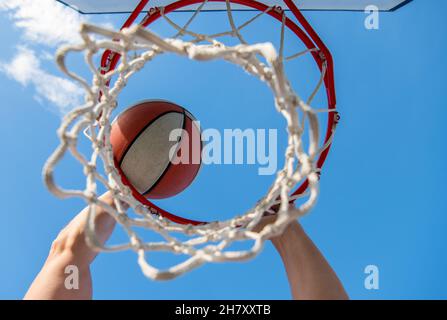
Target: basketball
<point>143,149</point>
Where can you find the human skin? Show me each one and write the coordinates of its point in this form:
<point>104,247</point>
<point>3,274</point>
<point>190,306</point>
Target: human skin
<point>309,274</point>
<point>70,248</point>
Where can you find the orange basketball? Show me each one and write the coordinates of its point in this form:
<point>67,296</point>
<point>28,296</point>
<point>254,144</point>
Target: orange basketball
<point>143,151</point>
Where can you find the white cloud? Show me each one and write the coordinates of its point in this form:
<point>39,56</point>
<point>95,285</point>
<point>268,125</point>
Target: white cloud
<point>25,68</point>
<point>44,21</point>
<point>43,26</point>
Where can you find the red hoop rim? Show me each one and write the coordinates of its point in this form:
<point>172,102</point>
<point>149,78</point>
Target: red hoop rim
<point>306,34</point>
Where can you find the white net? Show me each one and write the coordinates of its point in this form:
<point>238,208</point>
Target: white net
<point>205,242</point>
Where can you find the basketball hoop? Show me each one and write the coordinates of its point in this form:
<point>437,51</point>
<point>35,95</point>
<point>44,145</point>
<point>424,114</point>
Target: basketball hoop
<point>206,242</point>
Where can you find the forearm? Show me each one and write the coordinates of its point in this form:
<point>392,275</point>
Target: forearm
<point>50,283</point>
<point>310,275</point>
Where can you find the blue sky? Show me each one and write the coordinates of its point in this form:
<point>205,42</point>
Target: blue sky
<point>382,198</point>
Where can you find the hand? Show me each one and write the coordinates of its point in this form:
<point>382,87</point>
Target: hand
<point>70,249</point>
<point>71,240</point>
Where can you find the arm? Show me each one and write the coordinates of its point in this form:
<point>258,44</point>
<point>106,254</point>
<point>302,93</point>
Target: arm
<point>310,275</point>
<point>70,248</point>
